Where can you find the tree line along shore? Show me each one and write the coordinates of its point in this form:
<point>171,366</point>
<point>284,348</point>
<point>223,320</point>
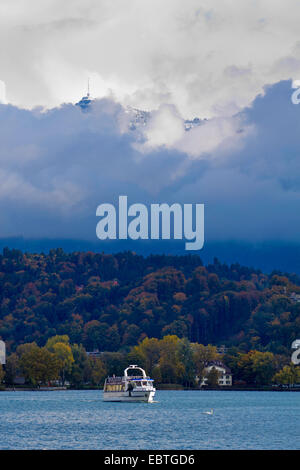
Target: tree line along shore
<point>162,312</point>
<point>174,363</point>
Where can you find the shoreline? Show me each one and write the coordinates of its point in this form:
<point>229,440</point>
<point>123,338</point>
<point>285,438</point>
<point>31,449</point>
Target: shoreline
<point>231,389</point>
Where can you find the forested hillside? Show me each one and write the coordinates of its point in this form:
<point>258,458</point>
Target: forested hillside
<point>112,302</point>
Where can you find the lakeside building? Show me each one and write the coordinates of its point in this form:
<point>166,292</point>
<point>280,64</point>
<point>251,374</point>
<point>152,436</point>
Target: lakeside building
<point>222,349</point>
<point>96,353</point>
<point>19,380</point>
<point>295,297</point>
<point>225,375</point>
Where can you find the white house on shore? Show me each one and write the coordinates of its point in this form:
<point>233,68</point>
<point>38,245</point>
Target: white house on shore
<point>225,375</point>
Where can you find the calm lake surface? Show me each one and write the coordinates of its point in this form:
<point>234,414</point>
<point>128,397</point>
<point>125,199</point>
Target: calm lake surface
<point>80,420</point>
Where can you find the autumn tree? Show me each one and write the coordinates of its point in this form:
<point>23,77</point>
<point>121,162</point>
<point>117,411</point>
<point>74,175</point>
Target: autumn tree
<point>170,366</point>
<point>288,375</point>
<point>98,371</point>
<point>95,335</point>
<point>26,347</point>
<point>57,339</point>
<point>40,365</point>
<point>146,354</point>
<point>212,377</point>
<point>263,366</point>
<point>255,367</point>
<point>60,347</point>
<point>202,355</point>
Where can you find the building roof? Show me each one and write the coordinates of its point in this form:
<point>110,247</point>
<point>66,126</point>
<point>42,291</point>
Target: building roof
<point>218,364</point>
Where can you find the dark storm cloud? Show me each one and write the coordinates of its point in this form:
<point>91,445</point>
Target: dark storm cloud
<point>57,166</point>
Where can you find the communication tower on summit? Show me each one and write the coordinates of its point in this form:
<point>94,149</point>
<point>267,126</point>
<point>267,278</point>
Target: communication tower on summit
<point>85,101</point>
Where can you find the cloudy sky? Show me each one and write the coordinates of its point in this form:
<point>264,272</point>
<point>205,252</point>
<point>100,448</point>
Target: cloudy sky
<point>230,63</point>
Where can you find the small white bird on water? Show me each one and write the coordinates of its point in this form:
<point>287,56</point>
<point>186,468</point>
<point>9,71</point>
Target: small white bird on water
<point>211,412</point>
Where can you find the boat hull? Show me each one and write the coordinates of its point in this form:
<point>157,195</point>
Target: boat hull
<point>146,397</point>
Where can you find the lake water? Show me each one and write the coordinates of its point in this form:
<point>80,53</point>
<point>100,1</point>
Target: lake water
<point>80,420</point>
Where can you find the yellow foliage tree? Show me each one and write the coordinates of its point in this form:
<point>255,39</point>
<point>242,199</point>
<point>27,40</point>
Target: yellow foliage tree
<point>64,354</point>
<point>39,365</point>
<point>147,353</point>
<point>288,375</point>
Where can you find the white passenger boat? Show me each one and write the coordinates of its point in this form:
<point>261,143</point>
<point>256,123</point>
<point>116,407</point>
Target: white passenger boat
<point>129,388</point>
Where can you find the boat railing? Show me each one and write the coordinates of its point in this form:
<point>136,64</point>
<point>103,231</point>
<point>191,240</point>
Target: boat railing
<point>137,377</point>
<point>129,377</point>
<point>115,380</point>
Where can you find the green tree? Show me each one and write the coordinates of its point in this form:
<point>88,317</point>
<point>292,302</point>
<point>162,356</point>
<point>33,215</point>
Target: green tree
<point>57,339</point>
<point>256,367</point>
<point>59,345</point>
<point>24,348</point>
<point>114,362</point>
<point>212,377</point>
<point>146,354</point>
<point>80,371</point>
<point>2,374</point>
<point>63,352</point>
<point>186,358</point>
<point>11,368</point>
<point>263,366</point>
<point>202,355</point>
<point>177,327</point>
<point>171,368</point>
<point>131,335</point>
<point>95,335</point>
<point>98,371</point>
<point>40,365</point>
<point>288,375</point>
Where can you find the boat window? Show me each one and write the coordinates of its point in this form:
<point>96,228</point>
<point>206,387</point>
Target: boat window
<point>138,384</point>
<point>144,383</point>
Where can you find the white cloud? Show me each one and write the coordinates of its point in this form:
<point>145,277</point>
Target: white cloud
<point>2,92</point>
<point>213,137</point>
<point>164,128</point>
<point>202,58</point>
<point>58,166</point>
<point>216,137</point>
<point>208,58</point>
